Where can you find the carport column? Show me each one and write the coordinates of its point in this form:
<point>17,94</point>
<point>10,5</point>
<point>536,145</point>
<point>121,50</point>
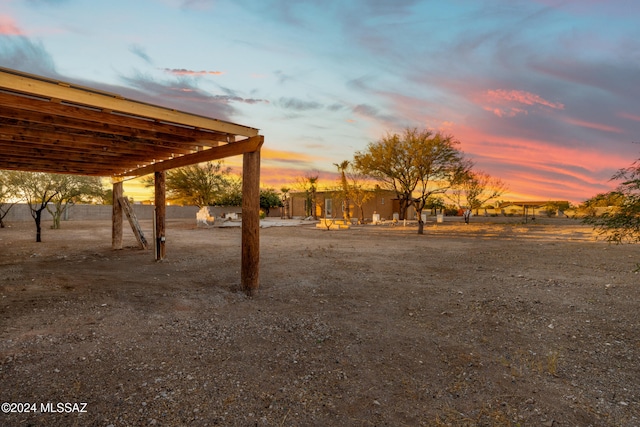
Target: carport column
<point>249,275</point>
<point>161,210</point>
<point>116,215</point>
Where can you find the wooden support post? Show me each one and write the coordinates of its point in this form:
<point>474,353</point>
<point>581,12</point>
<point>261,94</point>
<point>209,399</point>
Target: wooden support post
<point>249,275</point>
<point>116,217</point>
<point>160,213</point>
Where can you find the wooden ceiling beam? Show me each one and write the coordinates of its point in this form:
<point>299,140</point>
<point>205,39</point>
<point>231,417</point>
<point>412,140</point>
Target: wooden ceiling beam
<point>19,107</point>
<point>37,86</point>
<point>37,153</point>
<point>59,167</point>
<point>88,143</point>
<point>48,126</point>
<point>248,145</point>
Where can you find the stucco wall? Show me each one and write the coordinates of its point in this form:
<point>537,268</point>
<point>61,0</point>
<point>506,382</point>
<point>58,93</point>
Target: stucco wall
<point>20,212</point>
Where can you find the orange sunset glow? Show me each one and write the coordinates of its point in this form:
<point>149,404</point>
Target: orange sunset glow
<point>542,95</point>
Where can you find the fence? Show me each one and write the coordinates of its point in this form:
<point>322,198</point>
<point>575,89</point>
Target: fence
<point>21,212</point>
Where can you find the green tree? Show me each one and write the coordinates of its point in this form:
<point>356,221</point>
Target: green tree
<point>309,184</point>
<point>201,185</point>
<point>622,222</point>
<point>7,196</point>
<point>474,189</point>
<point>604,200</point>
<point>72,189</point>
<point>231,192</point>
<point>37,189</point>
<point>552,208</point>
<point>435,204</point>
<point>269,198</point>
<point>416,165</point>
<point>358,189</point>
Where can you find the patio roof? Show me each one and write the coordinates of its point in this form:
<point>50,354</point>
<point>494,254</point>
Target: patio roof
<point>57,127</point>
<point>52,126</point>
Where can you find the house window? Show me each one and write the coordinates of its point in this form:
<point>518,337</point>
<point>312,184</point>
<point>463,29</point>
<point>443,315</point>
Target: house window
<point>382,201</point>
<point>328,208</point>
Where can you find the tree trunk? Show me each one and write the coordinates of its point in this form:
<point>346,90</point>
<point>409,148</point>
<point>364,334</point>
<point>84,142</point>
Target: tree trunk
<point>404,206</point>
<point>160,214</point>
<point>314,205</point>
<point>4,213</point>
<point>56,220</point>
<point>347,211</point>
<point>420,222</point>
<point>37,218</point>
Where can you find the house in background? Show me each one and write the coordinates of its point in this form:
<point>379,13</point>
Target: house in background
<point>331,204</point>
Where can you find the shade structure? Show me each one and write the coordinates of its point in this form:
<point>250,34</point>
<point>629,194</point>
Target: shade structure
<point>52,126</point>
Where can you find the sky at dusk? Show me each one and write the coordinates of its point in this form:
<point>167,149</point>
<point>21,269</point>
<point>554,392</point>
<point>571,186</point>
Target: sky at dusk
<point>543,94</point>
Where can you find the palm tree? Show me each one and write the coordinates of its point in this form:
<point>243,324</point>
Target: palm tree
<point>342,168</point>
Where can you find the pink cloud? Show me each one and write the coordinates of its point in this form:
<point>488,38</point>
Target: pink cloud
<point>522,97</point>
<point>185,72</point>
<point>8,27</point>
<point>509,103</point>
<point>537,169</point>
<point>592,125</point>
<point>505,112</point>
<point>629,116</point>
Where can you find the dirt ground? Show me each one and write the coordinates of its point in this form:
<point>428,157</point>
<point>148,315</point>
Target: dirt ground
<point>496,323</point>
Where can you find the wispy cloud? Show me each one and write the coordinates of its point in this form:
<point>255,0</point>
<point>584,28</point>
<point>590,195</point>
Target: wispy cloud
<point>184,95</point>
<point>633,117</point>
<point>23,54</point>
<point>282,156</point>
<point>140,52</point>
<point>373,113</point>
<point>522,97</point>
<point>186,72</point>
<point>591,125</point>
<point>9,27</point>
<point>190,4</point>
<point>197,4</point>
<point>509,103</point>
<point>298,104</point>
<point>47,2</point>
